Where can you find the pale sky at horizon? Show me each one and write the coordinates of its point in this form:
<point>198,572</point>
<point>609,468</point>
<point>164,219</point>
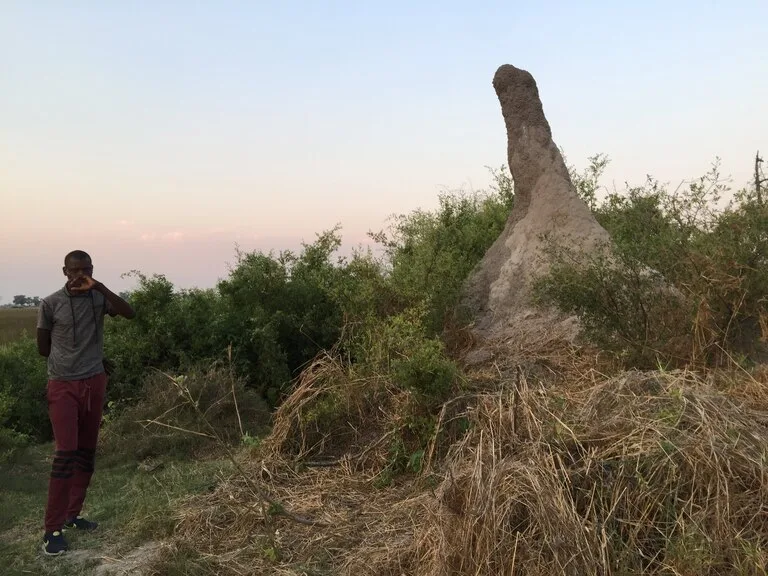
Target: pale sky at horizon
<point>156,136</point>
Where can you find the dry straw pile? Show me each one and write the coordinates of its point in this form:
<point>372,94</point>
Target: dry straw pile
<point>544,463</point>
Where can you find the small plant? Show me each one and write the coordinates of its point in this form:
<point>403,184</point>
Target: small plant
<point>251,441</point>
<point>11,444</point>
<point>416,461</point>
<point>425,370</point>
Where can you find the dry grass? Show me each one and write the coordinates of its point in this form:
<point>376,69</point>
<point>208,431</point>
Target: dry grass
<point>16,321</point>
<point>656,473</point>
<point>335,416</point>
<point>165,422</point>
<point>563,469</point>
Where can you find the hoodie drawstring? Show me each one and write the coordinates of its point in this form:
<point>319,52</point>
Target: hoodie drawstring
<point>74,322</point>
<point>74,318</point>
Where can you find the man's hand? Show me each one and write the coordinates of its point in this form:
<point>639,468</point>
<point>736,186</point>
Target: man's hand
<point>82,284</point>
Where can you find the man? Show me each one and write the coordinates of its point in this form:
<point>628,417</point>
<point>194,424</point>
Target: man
<point>70,333</point>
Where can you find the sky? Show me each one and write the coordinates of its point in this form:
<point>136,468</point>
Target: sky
<point>158,136</point>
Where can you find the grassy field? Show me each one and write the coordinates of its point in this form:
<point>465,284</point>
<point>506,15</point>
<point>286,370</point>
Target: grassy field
<point>132,507</point>
<point>15,321</point>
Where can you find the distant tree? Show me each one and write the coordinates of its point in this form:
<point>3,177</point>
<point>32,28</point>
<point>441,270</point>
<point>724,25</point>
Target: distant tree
<point>22,301</point>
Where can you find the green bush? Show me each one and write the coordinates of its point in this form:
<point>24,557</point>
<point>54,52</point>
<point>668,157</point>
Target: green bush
<point>23,381</point>
<point>431,253</point>
<point>399,347</point>
<point>11,441</point>
<point>425,369</point>
<point>171,330</point>
<point>283,310</point>
<point>622,305</point>
<point>272,314</point>
<point>11,444</point>
<point>730,266</point>
<point>688,283</point>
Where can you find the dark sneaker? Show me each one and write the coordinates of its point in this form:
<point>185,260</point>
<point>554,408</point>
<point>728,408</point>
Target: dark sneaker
<point>80,523</point>
<point>54,543</point>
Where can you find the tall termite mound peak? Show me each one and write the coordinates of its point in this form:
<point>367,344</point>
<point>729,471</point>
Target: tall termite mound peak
<point>498,292</point>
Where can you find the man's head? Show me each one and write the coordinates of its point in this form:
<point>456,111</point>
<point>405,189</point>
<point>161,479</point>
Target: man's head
<point>77,264</point>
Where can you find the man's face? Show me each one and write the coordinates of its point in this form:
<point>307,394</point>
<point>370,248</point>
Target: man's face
<point>76,268</point>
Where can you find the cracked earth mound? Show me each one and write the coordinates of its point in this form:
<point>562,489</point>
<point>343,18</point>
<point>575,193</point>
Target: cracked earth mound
<point>498,292</point>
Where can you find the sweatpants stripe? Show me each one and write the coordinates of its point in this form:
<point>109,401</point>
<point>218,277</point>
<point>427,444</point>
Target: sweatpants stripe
<point>62,474</point>
<point>63,461</point>
<point>85,462</point>
<point>63,466</point>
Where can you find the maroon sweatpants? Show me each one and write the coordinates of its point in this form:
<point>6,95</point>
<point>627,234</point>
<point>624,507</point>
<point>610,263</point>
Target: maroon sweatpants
<point>74,408</point>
